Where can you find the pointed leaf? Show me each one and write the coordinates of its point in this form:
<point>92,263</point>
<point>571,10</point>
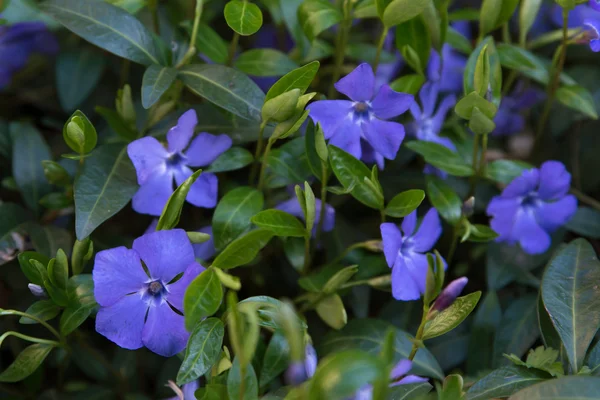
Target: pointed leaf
<point>155,83</point>
<point>203,350</point>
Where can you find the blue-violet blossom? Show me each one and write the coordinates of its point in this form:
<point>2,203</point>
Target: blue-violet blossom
<point>509,119</point>
<point>399,371</point>
<point>532,206</point>
<point>136,308</point>
<point>299,372</point>
<point>157,167</point>
<point>292,206</point>
<point>449,72</point>
<point>188,390</point>
<point>204,251</point>
<point>405,252</point>
<point>359,125</point>
<point>429,119</point>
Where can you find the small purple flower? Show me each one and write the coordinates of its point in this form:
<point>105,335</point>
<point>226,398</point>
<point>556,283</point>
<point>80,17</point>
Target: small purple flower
<point>449,73</point>
<point>292,206</point>
<point>405,252</point>
<point>399,371</point>
<point>18,42</point>
<point>509,119</point>
<point>359,125</point>
<point>532,206</point>
<point>592,27</point>
<point>429,119</point>
<point>576,15</point>
<point>203,251</point>
<point>37,291</point>
<point>595,4</point>
<point>136,307</point>
<point>449,294</point>
<point>157,166</point>
<point>299,372</point>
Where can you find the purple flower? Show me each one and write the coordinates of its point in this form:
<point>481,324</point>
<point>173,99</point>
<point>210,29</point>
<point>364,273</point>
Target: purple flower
<point>399,371</point>
<point>157,166</point>
<point>405,252</point>
<point>592,27</point>
<point>299,372</point>
<point>203,251</point>
<point>292,206</point>
<point>137,307</point>
<point>429,119</point>
<point>509,119</point>
<point>188,390</point>
<point>449,294</point>
<point>449,73</point>
<point>595,4</point>
<point>18,42</point>
<point>359,126</point>
<point>532,206</point>
<point>576,15</point>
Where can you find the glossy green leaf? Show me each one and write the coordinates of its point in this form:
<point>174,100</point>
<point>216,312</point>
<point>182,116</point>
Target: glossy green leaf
<point>81,303</point>
<point>232,215</point>
<point>202,298</point>
<point>117,123</point>
<point>490,12</point>
<point>31,270</point>
<point>243,17</point>
<point>441,157</point>
<point>399,11</point>
<point>351,171</point>
<point>314,160</point>
<point>332,312</point>
<point>452,316</point>
<point>155,83</point>
<point>404,203</point>
<point>504,382</point>
<point>225,87</point>
<point>518,329</point>
<point>275,360</point>
<point>288,164</point>
<point>515,57</point>
<point>105,185</point>
<point>459,42</point>
<point>77,74</point>
<point>409,391</point>
<point>495,69</point>
<point>410,83</point>
<point>234,382</point>
<point>414,33</point>
<point>43,309</point>
<point>82,253</point>
<point>264,62</point>
<point>481,342</point>
<point>59,274</point>
<point>233,159</point>
<point>26,363</point>
<point>108,27</point>
<point>572,297</point>
<point>585,222</point>
<point>243,250</point>
<point>464,108</point>
<point>269,311</point>
<point>203,350</point>
<point>211,44</point>
<point>567,388</point>
<point>527,14</point>
<point>444,199</point>
<point>172,210</point>
<point>280,223</point>
<point>299,78</point>
<point>315,16</point>
<point>281,107</point>
<point>365,9</point>
<point>577,98</point>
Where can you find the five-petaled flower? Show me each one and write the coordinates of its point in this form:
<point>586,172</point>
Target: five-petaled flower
<point>429,119</point>
<point>140,297</point>
<point>157,167</point>
<point>397,376</point>
<point>359,125</point>
<point>405,252</point>
<point>532,206</point>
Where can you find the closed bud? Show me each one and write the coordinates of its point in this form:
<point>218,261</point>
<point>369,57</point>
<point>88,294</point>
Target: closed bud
<point>79,133</point>
<point>449,294</point>
<point>55,173</point>
<point>374,246</point>
<point>468,206</point>
<point>83,250</point>
<point>37,291</point>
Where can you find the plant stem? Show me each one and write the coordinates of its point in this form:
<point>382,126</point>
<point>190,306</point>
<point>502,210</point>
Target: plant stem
<point>384,33</point>
<point>263,164</point>
<point>419,335</point>
<point>33,317</point>
<point>474,165</point>
<point>191,51</point>
<point>259,146</point>
<point>590,201</point>
<point>323,201</point>
<point>340,46</point>
<point>453,245</point>
<point>554,80</point>
<point>382,214</point>
<point>483,157</point>
<point>155,21</point>
<point>233,48</point>
<point>307,260</point>
<point>29,338</point>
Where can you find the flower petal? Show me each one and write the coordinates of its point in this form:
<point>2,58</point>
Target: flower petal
<point>503,211</point>
<point>164,332</point>
<point>347,138</point>
<point>291,206</point>
<point>410,379</point>
<point>392,241</point>
<point>152,196</point>
<point>555,180</point>
<point>409,223</point>
<point>400,369</point>
<point>148,157</point>
<point>438,118</point>
<point>404,286</point>
<point>117,273</point>
<point>532,238</point>
<point>389,103</point>
<point>428,232</point>
<point>179,136</point>
<point>331,115</point>
<point>385,136</point>
<point>428,96</point>
<point>123,322</point>
<point>177,289</point>
<point>165,253</point>
<point>359,84</point>
<point>205,148</point>
<point>552,216</point>
<point>203,192</point>
<point>523,184</point>
<point>206,250</point>
<point>417,267</point>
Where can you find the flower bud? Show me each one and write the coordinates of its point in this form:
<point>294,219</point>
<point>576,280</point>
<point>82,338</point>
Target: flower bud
<point>374,245</point>
<point>468,206</point>
<point>37,291</point>
<point>449,294</point>
<point>56,173</point>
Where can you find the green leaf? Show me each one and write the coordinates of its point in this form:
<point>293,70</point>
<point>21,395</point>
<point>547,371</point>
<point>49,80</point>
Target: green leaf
<point>31,270</point>
<point>269,311</point>
<point>441,157</point>
<point>369,335</point>
<point>410,83</point>
<point>365,9</point>
<point>155,83</point>
<point>77,74</point>
<point>464,108</point>
<point>314,161</point>
<point>452,388</point>
<point>117,123</point>
<point>585,222</point>
<point>26,363</point>
<point>105,185</point>
<point>399,11</point>
<point>211,44</point>
<point>414,33</point>
<point>481,343</point>
<point>452,316</point>
<point>299,78</point>
<point>504,382</point>
<point>571,387</point>
<point>404,203</point>
<point>444,199</point>
<point>225,87</point>
<point>108,27</point>
<point>275,360</point>
<point>518,329</point>
<point>59,274</point>
<point>82,253</point>
<point>332,312</point>
<point>504,171</point>
<point>81,303</point>
<point>232,215</point>
<point>495,70</point>
<point>288,164</point>
<point>281,107</point>
<point>527,15</point>
<point>29,149</point>
<point>203,350</point>
<point>264,62</point>
<point>243,17</point>
<point>340,277</point>
<point>234,382</point>
<point>572,297</point>
<point>172,210</point>
<point>490,12</point>
<point>479,233</point>
<point>515,57</point>
<point>202,298</point>
<point>315,16</point>
<point>506,11</point>
<point>409,391</point>
<point>577,98</point>
<point>47,239</point>
<point>243,250</point>
<point>233,159</point>
<point>351,171</point>
<point>279,223</point>
<point>459,42</point>
<point>12,216</point>
<point>43,309</point>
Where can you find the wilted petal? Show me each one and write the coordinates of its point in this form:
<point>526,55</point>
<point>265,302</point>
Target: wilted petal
<point>164,332</point>
<point>359,84</point>
<point>117,273</point>
<point>177,289</point>
<point>555,180</point>
<point>148,157</point>
<point>205,148</point>
<point>179,136</point>
<point>389,103</point>
<point>428,233</point>
<point>392,241</point>
<point>123,322</point>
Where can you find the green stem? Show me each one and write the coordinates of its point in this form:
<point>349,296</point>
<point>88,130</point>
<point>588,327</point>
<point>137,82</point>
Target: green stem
<point>232,48</point>
<point>33,317</point>
<point>155,21</point>
<point>474,165</point>
<point>340,46</point>
<point>306,266</point>
<point>380,44</point>
<point>453,245</point>
<point>257,153</point>
<point>191,51</point>
<point>382,214</point>
<point>554,81</point>
<point>590,201</point>
<point>323,201</point>
<point>551,37</point>
<point>29,338</point>
<point>263,165</point>
<point>419,335</point>
<point>505,33</point>
<point>483,157</point>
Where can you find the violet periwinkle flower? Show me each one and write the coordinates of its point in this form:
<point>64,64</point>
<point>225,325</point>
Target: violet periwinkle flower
<point>157,167</point>
<point>399,371</point>
<point>592,27</point>
<point>359,125</point>
<point>18,42</point>
<point>449,73</point>
<point>136,308</point>
<point>595,4</point>
<point>509,119</point>
<point>292,206</point>
<point>585,16</point>
<point>203,251</point>
<point>37,291</point>
<point>299,372</point>
<point>532,206</point>
<point>449,294</point>
<point>429,119</point>
<point>405,252</point>
<point>188,390</point>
